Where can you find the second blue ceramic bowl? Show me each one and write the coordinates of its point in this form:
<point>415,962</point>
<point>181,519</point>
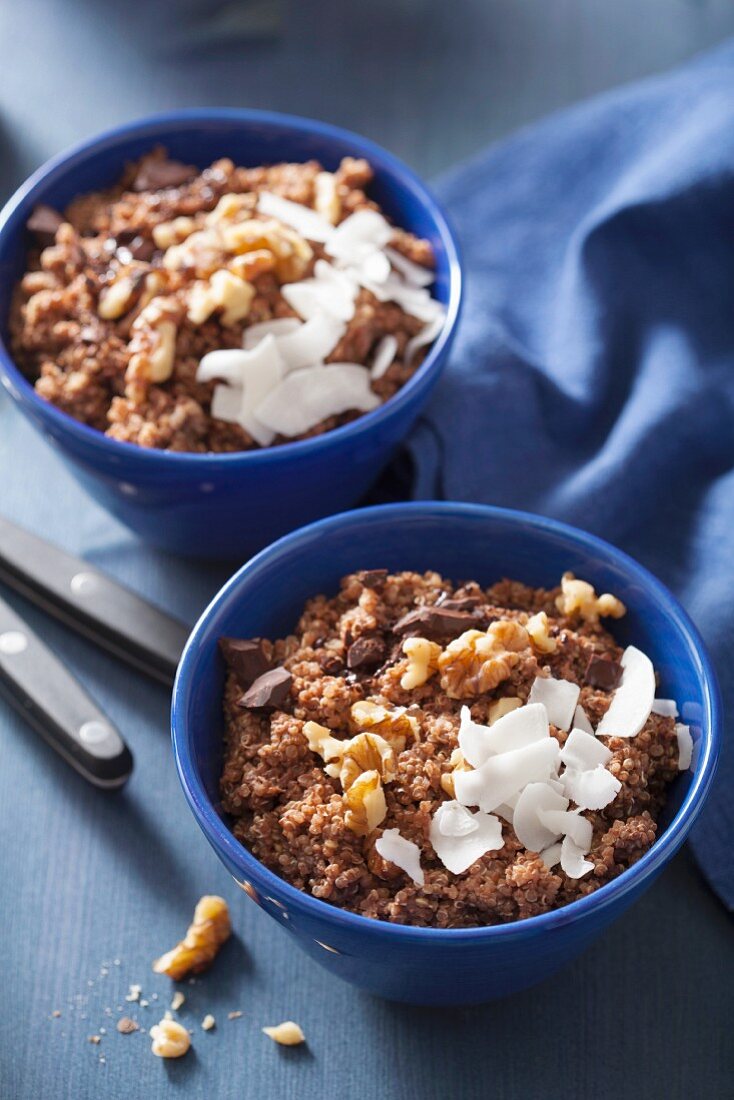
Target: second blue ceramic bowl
<point>228,505</point>
<point>265,598</point>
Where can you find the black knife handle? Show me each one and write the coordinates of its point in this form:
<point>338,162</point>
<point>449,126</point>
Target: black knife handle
<point>47,695</point>
<point>90,602</point>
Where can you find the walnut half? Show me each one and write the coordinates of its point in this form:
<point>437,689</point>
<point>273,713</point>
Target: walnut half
<point>579,598</point>
<point>476,662</point>
<point>210,928</point>
<point>365,802</point>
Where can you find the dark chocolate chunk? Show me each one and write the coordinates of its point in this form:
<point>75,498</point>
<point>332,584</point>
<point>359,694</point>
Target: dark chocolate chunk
<point>332,666</point>
<point>464,603</point>
<point>43,223</point>
<point>434,622</point>
<point>366,652</point>
<point>246,657</point>
<point>269,690</point>
<point>130,245</point>
<point>154,175</point>
<point>603,673</point>
<point>371,577</point>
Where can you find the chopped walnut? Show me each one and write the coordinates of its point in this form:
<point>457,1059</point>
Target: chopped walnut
<point>250,265</point>
<point>210,928</point>
<point>320,741</point>
<point>364,753</point>
<point>153,343</point>
<point>232,207</point>
<point>170,233</point>
<point>394,724</point>
<point>422,662</point>
<point>476,662</point>
<point>326,197</point>
<point>287,1034</point>
<point>537,628</point>
<point>117,297</point>
<point>365,803</point>
<point>170,1039</point>
<point>224,291</point>
<point>502,707</point>
<point>579,598</point>
<point>292,253</point>
<point>457,763</point>
<point>208,1023</point>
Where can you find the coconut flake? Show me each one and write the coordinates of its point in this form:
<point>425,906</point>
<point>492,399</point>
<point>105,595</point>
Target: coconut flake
<point>667,708</point>
<point>458,853</point>
<point>632,701</point>
<point>279,326</point>
<point>384,356</point>
<point>568,823</point>
<point>581,720</point>
<point>374,268</point>
<point>312,297</point>
<point>226,365</point>
<point>572,859</point>
<point>530,829</point>
<point>359,235</point>
<point>414,300</point>
<point>512,731</point>
<point>403,853</point>
<point>227,403</point>
<point>306,397</point>
<point>503,776</point>
<point>426,336</point>
<point>552,856</point>
<point>685,746</point>
<point>413,273</point>
<point>299,217</point>
<point>583,751</point>
<point>255,374</point>
<point>455,820</point>
<point>559,697</point>
<point>593,789</point>
<point>310,343</point>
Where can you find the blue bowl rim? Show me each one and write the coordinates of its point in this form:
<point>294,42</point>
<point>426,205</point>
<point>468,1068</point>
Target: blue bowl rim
<point>221,839</point>
<point>60,164</point>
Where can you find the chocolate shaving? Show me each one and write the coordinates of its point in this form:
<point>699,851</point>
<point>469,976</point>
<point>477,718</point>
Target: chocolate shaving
<point>434,622</point>
<point>366,652</point>
<point>371,577</point>
<point>463,603</point>
<point>269,690</point>
<point>130,245</point>
<point>155,175</point>
<point>603,673</point>
<point>246,657</point>
<point>43,223</point>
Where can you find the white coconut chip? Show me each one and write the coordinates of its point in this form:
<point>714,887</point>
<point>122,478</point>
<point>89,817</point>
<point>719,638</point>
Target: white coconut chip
<point>299,217</point>
<point>512,731</point>
<point>413,273</point>
<point>255,374</point>
<point>530,828</point>
<point>227,403</point>
<point>568,823</point>
<point>456,820</point>
<point>667,708</point>
<point>226,365</point>
<point>426,336</point>
<point>572,859</point>
<point>310,343</point>
<point>403,853</point>
<point>552,856</point>
<point>414,300</point>
<point>374,268</point>
<point>384,356</point>
<point>581,720</point>
<point>359,235</point>
<point>312,297</point>
<point>458,853</point>
<point>632,701</point>
<point>559,697</point>
<point>503,776</point>
<point>583,751</point>
<point>593,789</point>
<point>279,326</point>
<point>306,397</point>
<point>685,746</point>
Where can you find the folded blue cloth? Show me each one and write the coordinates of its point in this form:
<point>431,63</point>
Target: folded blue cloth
<point>593,375</point>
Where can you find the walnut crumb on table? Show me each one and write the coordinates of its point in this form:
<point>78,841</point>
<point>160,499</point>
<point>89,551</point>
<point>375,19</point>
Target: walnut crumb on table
<point>209,929</point>
<point>287,1034</point>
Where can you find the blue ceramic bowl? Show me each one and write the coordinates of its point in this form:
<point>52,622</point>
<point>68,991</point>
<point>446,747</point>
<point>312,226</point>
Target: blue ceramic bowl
<point>433,966</point>
<point>228,505</point>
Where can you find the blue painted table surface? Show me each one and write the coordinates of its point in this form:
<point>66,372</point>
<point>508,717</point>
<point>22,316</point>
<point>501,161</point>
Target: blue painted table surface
<point>96,886</point>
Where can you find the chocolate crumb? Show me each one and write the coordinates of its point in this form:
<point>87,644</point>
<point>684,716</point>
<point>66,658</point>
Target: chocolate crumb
<point>367,652</point>
<point>246,657</point>
<point>126,1026</point>
<point>603,673</point>
<point>464,603</point>
<point>155,175</point>
<point>434,622</point>
<point>371,577</point>
<point>43,223</point>
<point>269,690</point>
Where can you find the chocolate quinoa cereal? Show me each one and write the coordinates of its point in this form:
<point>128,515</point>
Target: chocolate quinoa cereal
<point>426,753</point>
<point>223,309</point>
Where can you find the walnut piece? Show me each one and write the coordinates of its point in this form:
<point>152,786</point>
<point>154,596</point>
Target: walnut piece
<point>364,753</point>
<point>457,763</point>
<point>365,802</point>
<point>537,628</point>
<point>210,928</point>
<point>394,724</point>
<point>476,662</point>
<point>326,197</point>
<point>502,707</point>
<point>321,741</point>
<point>579,598</point>
<point>170,1039</point>
<point>224,291</point>
<point>153,343</point>
<point>292,253</point>
<point>208,1023</point>
<point>287,1034</point>
<point>422,662</point>
<point>170,233</point>
<point>117,297</point>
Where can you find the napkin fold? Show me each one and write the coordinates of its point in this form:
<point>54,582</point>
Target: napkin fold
<point>593,375</point>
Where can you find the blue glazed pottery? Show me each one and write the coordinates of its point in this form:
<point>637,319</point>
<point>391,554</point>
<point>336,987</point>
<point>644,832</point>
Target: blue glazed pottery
<point>433,966</point>
<point>228,505</point>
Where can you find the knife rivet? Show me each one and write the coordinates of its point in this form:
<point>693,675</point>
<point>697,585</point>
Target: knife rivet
<point>13,641</point>
<point>84,584</point>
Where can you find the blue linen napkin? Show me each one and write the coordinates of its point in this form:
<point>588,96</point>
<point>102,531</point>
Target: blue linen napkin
<point>593,375</point>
